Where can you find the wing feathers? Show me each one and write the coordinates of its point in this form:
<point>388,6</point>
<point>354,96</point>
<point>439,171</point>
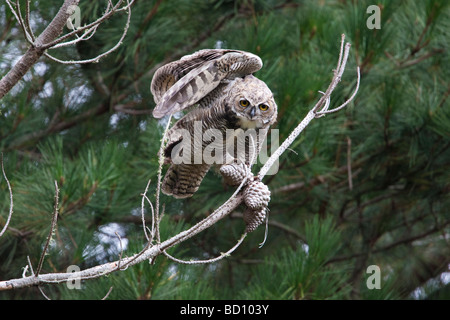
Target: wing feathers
<point>183,180</point>
<point>183,83</point>
<point>189,89</point>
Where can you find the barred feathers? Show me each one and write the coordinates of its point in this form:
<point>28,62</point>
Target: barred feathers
<point>183,180</point>
<point>182,83</point>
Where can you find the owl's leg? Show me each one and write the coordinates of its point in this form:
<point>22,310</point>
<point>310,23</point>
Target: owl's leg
<point>183,180</point>
<point>237,163</point>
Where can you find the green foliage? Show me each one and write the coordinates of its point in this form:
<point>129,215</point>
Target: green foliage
<point>89,128</point>
<point>302,273</point>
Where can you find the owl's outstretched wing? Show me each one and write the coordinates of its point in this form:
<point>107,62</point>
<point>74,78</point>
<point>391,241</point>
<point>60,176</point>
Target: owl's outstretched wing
<point>181,84</point>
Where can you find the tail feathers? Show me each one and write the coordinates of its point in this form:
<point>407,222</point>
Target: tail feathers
<point>183,180</point>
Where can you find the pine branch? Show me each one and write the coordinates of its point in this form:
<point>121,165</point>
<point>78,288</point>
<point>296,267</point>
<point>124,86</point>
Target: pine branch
<point>55,126</point>
<point>404,240</point>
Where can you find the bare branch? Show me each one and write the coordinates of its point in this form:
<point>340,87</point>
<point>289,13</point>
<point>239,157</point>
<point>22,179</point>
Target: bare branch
<point>27,21</point>
<point>221,256</point>
<point>144,197</point>
<point>321,105</point>
<point>11,203</point>
<point>158,186</point>
<point>107,294</point>
<point>30,265</point>
<point>49,39</point>
<point>43,293</point>
<point>266,230</point>
<point>121,251</point>
<point>93,29</point>
<point>52,230</point>
<point>86,36</point>
<point>358,79</point>
<point>22,23</point>
<point>36,50</point>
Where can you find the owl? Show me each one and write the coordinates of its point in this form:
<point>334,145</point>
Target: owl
<point>230,113</point>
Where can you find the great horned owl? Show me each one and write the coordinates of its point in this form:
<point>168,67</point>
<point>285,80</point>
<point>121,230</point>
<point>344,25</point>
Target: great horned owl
<point>229,99</point>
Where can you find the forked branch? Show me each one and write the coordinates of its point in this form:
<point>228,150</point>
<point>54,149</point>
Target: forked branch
<point>50,38</point>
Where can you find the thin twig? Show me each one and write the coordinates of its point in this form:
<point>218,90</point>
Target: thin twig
<point>22,23</point>
<point>144,197</point>
<point>52,229</point>
<point>107,294</point>
<point>16,13</point>
<point>221,256</point>
<point>158,186</point>
<point>266,230</point>
<point>30,265</point>
<point>25,270</point>
<point>349,163</point>
<point>43,294</point>
<point>85,36</point>
<point>121,251</point>
<point>11,203</point>
<point>358,80</point>
<point>27,21</point>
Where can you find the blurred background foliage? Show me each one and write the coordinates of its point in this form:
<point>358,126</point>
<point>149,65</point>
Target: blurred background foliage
<point>89,127</point>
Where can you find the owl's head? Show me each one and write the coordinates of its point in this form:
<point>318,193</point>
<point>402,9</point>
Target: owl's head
<point>253,102</point>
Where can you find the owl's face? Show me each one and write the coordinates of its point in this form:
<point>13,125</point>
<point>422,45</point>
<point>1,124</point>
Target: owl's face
<point>253,103</point>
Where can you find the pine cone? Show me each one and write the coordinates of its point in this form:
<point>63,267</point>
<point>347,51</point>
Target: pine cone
<point>253,218</point>
<point>256,195</point>
<point>233,173</point>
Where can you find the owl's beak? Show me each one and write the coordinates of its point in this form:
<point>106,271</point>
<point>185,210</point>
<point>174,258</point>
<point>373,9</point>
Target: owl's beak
<point>252,112</point>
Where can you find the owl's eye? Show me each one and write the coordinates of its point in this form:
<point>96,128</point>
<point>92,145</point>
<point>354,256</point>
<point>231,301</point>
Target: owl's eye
<point>263,107</point>
<point>244,103</point>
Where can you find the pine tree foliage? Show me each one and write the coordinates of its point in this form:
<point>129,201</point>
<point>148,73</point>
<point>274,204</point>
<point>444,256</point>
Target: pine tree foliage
<point>366,186</point>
